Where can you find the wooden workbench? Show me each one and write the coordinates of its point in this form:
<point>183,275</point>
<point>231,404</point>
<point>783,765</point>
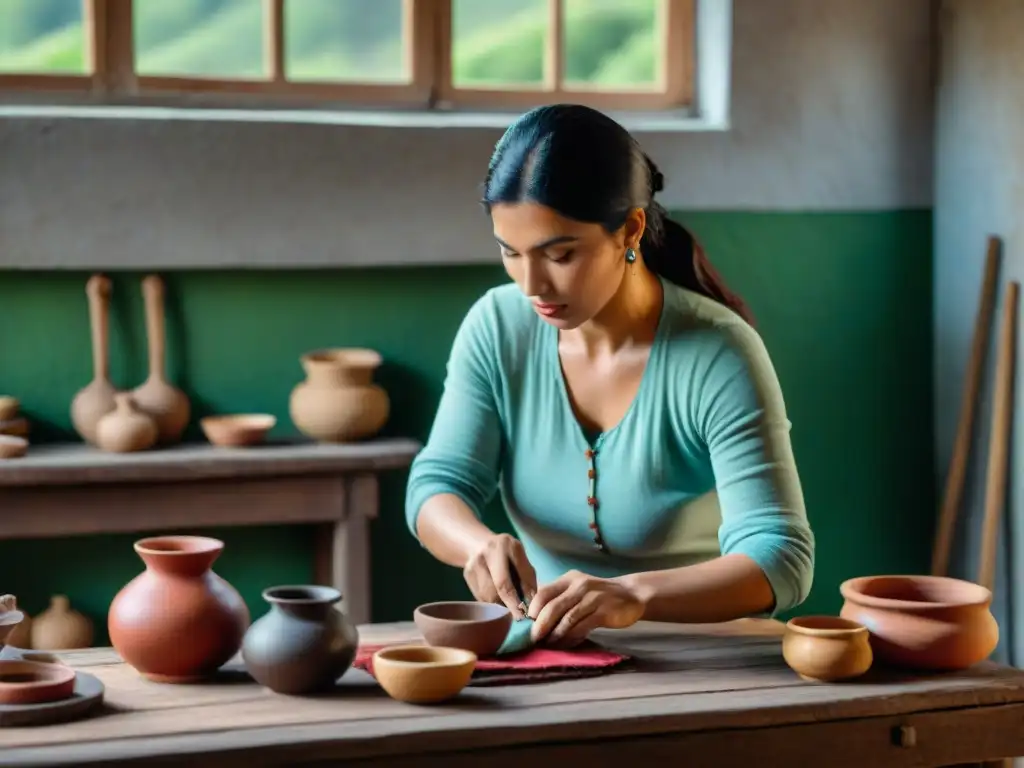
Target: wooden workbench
<point>66,490</point>
<point>696,696</point>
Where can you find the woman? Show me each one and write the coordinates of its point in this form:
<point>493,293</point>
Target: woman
<point>619,397</point>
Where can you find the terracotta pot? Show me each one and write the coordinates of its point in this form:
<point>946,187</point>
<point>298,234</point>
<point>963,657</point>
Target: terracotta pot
<point>303,644</point>
<point>338,401</point>
<point>472,626</point>
<point>923,622</point>
<point>826,648</point>
<point>60,627</point>
<point>177,621</point>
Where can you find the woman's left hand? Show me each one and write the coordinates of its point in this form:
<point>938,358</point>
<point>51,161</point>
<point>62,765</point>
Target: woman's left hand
<point>566,610</point>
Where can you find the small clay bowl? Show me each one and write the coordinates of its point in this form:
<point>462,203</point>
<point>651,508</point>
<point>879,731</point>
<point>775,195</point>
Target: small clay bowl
<point>826,648</point>
<point>9,407</point>
<point>29,682</point>
<point>12,447</point>
<point>237,430</point>
<point>477,627</point>
<point>423,674</point>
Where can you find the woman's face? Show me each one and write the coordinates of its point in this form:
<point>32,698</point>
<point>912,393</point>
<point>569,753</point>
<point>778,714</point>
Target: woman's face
<point>568,269</point>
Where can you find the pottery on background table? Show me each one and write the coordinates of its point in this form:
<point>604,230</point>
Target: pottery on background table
<point>303,644</point>
<point>126,429</point>
<point>10,618</point>
<point>237,430</point>
<point>9,408</point>
<point>338,402</point>
<point>17,427</point>
<point>473,626</point>
<point>422,674</point>
<point>923,622</point>
<point>96,399</point>
<point>177,621</point>
<point>30,682</point>
<point>12,447</point>
<point>60,627</point>
<point>168,406</point>
<point>826,648</point>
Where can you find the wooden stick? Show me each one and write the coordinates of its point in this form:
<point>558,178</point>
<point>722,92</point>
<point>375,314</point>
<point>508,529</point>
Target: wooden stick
<point>999,439</point>
<point>968,405</point>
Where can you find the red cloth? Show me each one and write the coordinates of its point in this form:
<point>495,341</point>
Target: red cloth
<point>534,665</point>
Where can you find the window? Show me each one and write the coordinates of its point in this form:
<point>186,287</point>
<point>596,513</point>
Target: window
<point>613,54</point>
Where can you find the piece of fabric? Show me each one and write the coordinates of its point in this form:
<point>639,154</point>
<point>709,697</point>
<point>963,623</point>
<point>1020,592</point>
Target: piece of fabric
<point>700,465</point>
<point>535,665</point>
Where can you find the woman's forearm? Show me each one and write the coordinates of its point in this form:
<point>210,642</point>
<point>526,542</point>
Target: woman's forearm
<point>726,588</point>
<point>449,530</point>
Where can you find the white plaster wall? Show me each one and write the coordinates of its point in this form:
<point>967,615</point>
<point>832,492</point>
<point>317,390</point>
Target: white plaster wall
<point>979,191</point>
<point>831,110</point>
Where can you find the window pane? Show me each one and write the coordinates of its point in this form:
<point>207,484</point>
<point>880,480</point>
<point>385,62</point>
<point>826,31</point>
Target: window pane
<point>611,44</point>
<point>499,43</point>
<point>346,40</point>
<point>199,38</point>
<point>42,37</point>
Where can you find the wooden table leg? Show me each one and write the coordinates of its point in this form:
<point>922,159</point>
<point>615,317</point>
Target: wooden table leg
<point>343,556</point>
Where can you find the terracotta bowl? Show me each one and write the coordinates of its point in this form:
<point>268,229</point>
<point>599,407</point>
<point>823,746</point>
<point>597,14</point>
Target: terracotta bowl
<point>923,622</point>
<point>9,407</point>
<point>29,682</point>
<point>423,674</point>
<point>826,648</point>
<point>477,627</point>
<point>237,430</point>
<point>12,447</point>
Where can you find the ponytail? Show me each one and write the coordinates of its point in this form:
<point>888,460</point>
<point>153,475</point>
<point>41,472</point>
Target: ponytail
<point>671,251</point>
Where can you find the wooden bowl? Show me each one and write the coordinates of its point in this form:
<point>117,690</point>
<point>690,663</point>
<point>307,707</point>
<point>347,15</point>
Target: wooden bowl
<point>29,682</point>
<point>12,447</point>
<point>9,407</point>
<point>923,622</point>
<point>480,628</point>
<point>237,430</point>
<point>826,648</point>
<point>423,674</point>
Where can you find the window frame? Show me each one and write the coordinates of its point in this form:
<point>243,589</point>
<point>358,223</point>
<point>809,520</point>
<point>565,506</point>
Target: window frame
<point>110,55</point>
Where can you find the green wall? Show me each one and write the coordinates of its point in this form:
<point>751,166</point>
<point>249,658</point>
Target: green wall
<point>843,301</point>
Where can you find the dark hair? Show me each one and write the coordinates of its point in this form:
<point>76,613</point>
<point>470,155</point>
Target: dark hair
<point>584,165</point>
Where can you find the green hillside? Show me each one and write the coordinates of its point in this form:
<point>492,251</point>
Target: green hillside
<point>608,42</point>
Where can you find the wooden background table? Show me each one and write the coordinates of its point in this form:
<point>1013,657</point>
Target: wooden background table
<point>68,490</point>
<point>714,695</point>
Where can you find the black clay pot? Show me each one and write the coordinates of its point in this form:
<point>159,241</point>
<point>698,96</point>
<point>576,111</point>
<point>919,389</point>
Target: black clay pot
<point>303,644</point>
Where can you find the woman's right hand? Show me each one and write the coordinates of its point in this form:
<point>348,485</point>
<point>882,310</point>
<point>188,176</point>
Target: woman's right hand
<point>489,574</point>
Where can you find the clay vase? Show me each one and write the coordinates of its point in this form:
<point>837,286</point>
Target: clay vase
<point>97,398</point>
<point>177,621</point>
<point>10,619</point>
<point>166,404</point>
<point>126,428</point>
<point>338,402</point>
<point>927,623</point>
<point>60,628</point>
<point>303,644</point>
<point>826,648</point>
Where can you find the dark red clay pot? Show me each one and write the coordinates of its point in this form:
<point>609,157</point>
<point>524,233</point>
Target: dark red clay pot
<point>177,621</point>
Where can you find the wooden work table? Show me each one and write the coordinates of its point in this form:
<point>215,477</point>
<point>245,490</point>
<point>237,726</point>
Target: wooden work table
<point>66,490</point>
<point>697,696</point>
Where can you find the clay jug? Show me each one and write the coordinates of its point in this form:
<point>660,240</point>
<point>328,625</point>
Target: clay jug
<point>60,628</point>
<point>303,644</point>
<point>126,428</point>
<point>338,402</point>
<point>177,621</point>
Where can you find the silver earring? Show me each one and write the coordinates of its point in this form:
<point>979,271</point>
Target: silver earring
<point>630,255</point>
